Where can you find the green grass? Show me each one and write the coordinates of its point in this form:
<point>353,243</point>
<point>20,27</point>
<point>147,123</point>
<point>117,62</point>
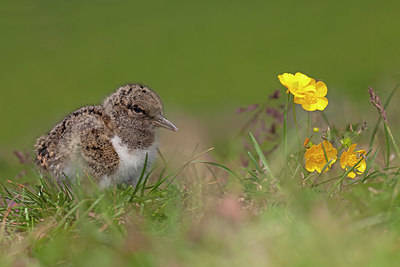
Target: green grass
<point>205,213</point>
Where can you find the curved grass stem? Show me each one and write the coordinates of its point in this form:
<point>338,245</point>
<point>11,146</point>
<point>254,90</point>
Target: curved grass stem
<point>285,144</point>
<point>371,142</point>
<point>295,122</point>
<point>392,138</point>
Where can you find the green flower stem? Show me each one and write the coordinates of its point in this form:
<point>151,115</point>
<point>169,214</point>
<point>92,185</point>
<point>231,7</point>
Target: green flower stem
<point>387,142</point>
<point>391,137</point>
<point>297,130</point>
<point>285,144</point>
<point>308,123</point>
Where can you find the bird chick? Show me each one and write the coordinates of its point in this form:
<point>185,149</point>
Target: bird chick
<point>109,142</point>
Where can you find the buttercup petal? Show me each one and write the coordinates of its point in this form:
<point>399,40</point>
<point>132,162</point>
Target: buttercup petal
<point>297,93</point>
<point>286,79</point>
<point>310,151</point>
<point>351,175</point>
<point>312,82</point>
<point>361,166</point>
<point>310,87</point>
<point>299,100</point>
<point>310,166</point>
<point>308,107</point>
<point>322,165</point>
<point>327,145</point>
<point>343,159</point>
<point>318,169</point>
<point>321,103</point>
<point>321,89</point>
<point>362,151</point>
<point>319,146</point>
<point>351,148</point>
<point>303,79</point>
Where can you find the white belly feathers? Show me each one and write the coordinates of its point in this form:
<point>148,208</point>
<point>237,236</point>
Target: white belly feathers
<point>131,163</point>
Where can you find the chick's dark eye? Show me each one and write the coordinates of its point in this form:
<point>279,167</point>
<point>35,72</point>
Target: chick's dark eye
<point>137,109</point>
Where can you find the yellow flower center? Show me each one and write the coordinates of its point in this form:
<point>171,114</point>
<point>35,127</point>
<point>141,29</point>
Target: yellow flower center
<point>319,157</point>
<point>311,98</point>
<point>352,160</point>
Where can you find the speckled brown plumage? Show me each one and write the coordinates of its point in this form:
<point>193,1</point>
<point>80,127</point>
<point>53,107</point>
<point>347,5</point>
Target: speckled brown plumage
<point>100,140</point>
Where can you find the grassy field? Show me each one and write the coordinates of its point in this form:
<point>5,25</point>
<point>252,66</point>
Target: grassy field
<point>258,207</point>
<point>216,196</point>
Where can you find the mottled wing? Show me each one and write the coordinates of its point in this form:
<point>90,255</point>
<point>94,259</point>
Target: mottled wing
<point>97,152</point>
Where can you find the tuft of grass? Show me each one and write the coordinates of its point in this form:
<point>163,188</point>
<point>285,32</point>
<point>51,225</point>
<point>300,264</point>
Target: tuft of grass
<point>232,217</point>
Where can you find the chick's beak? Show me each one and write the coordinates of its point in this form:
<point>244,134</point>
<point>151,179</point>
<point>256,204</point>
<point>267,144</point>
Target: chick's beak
<point>163,122</point>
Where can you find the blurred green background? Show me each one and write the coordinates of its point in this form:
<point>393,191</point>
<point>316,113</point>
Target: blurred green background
<point>204,58</point>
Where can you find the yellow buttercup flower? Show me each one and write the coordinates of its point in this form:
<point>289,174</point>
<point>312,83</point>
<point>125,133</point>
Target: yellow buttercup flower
<point>306,91</point>
<point>296,84</point>
<point>350,158</point>
<point>314,96</point>
<point>315,157</point>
